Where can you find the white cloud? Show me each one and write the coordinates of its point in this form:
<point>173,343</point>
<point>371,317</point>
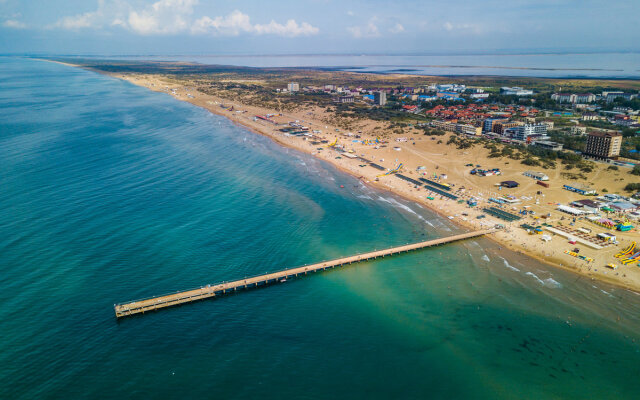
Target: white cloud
<point>238,22</point>
<point>351,13</point>
<point>14,24</point>
<point>474,28</point>
<point>291,28</point>
<point>86,20</point>
<point>233,24</point>
<point>368,31</point>
<point>176,16</point>
<point>398,28</point>
<point>162,17</point>
<point>107,13</point>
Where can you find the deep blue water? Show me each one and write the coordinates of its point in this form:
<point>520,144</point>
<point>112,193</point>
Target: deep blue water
<point>109,192</point>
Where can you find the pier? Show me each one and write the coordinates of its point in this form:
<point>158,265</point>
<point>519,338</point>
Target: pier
<point>210,291</point>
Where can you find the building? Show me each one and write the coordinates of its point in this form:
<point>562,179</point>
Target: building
<point>549,124</point>
<point>501,127</point>
<point>589,206</point>
<point>489,122</point>
<point>623,206</point>
<point>548,145</point>
<point>580,98</point>
<point>469,129</point>
<point>444,125</point>
<point>293,87</point>
<point>524,131</point>
<point>515,91</point>
<point>590,117</point>
<point>380,98</point>
<point>562,97</point>
<point>611,96</point>
<point>449,95</point>
<point>603,144</point>
<point>345,99</point>
<point>539,176</point>
<point>509,184</point>
<point>451,87</point>
<point>578,130</point>
<point>580,189</point>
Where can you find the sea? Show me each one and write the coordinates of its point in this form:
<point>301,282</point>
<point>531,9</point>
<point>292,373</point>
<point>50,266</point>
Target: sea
<point>611,65</point>
<point>110,192</point>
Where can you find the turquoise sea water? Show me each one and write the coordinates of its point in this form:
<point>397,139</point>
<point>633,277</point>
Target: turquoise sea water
<point>109,192</point>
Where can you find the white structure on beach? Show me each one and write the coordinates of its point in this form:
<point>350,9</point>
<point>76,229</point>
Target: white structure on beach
<point>539,176</point>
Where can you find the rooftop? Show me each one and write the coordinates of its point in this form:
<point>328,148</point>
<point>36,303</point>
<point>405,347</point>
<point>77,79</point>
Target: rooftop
<point>605,134</point>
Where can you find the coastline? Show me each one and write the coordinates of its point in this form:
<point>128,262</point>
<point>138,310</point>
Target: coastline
<point>445,208</point>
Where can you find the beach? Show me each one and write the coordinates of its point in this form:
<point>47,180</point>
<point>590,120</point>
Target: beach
<point>423,151</point>
<point>115,193</point>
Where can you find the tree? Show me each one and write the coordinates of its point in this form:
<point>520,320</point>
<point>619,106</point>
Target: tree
<point>636,170</point>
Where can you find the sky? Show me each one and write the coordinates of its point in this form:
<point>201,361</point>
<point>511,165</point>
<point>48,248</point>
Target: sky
<point>157,27</point>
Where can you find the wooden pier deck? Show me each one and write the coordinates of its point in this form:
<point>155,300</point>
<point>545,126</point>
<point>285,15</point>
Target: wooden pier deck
<point>209,291</point>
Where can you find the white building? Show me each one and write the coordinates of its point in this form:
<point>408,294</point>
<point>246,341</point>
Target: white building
<point>562,97</point>
<point>524,131</point>
<point>293,87</point>
<point>515,91</point>
<point>579,98</point>
<point>582,98</point>
<point>539,176</point>
<point>578,130</point>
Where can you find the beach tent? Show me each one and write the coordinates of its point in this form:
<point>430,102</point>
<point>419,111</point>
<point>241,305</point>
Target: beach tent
<point>570,210</point>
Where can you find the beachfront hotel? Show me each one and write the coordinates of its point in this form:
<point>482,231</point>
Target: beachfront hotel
<point>603,144</point>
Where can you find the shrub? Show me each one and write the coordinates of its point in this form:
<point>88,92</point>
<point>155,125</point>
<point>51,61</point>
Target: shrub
<point>636,170</point>
<point>530,161</point>
<point>632,187</point>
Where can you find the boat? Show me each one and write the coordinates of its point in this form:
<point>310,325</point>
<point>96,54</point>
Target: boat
<point>612,266</point>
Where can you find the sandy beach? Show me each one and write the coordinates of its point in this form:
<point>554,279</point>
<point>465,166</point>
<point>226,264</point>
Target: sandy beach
<point>434,156</point>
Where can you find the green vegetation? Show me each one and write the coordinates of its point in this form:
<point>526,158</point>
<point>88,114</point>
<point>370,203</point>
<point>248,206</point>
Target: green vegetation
<point>632,187</point>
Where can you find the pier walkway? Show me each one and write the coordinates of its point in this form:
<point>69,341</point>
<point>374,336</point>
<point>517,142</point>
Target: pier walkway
<point>208,291</point>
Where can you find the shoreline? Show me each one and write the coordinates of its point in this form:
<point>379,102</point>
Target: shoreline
<point>504,238</point>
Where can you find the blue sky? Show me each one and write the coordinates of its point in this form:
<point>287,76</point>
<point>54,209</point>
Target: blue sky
<point>315,26</point>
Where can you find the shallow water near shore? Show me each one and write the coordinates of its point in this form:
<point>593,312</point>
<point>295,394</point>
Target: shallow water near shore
<point>110,192</point>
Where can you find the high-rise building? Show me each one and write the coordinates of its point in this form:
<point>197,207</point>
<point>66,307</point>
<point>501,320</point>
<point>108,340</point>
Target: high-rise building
<point>380,98</point>
<point>603,144</point>
<point>579,98</point>
<point>293,87</point>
